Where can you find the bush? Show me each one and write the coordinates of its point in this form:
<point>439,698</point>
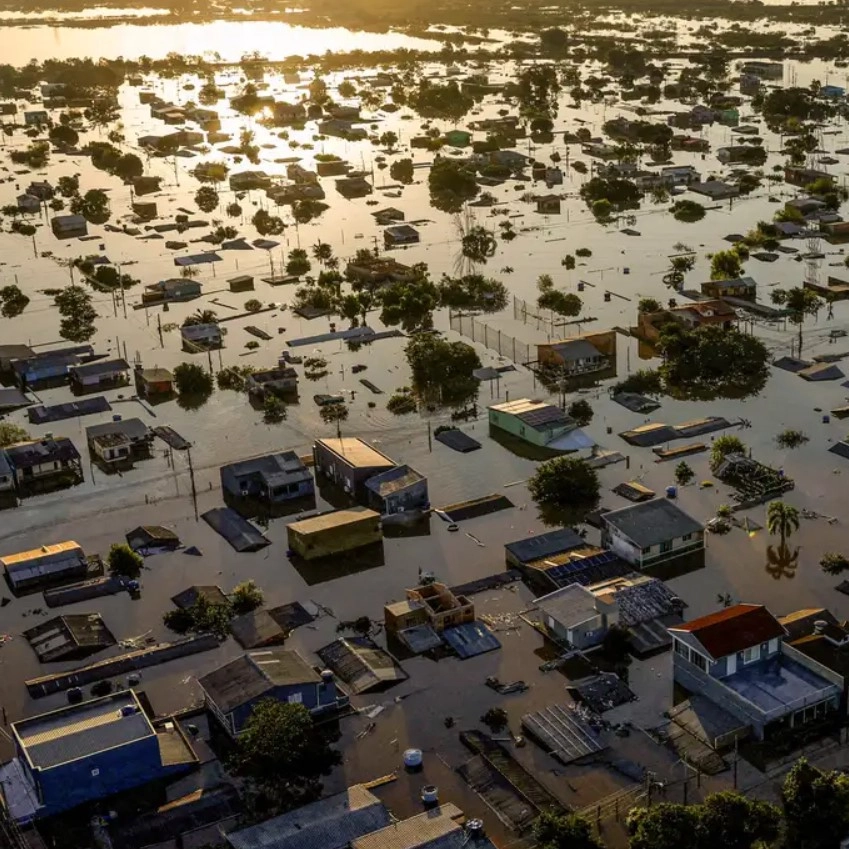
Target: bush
<point>124,562</point>
<point>564,482</point>
<point>581,412</point>
<point>246,597</point>
<point>253,305</point>
<point>723,446</point>
<point>191,379</point>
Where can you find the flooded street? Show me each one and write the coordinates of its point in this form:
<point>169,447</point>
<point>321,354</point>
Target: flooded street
<point>618,263</point>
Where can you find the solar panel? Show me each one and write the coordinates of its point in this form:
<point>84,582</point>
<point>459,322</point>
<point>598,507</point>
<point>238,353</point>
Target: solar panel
<point>541,416</point>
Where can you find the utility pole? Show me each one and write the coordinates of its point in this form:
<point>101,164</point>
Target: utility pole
<point>192,479</point>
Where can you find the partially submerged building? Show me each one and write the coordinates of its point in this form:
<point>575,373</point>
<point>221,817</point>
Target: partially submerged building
<point>397,491</point>
<point>273,478</point>
<point>70,637</point>
<point>349,463</point>
<point>40,567</point>
<point>88,752</point>
<point>578,617</point>
<point>334,532</point>
<point>44,462</point>
<point>652,532</point>
<point>737,659</point>
<point>535,422</point>
<point>431,604</point>
<point>232,691</point>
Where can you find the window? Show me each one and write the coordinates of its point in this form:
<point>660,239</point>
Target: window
<point>697,660</point>
<point>751,654</point>
<point>687,537</point>
<point>665,546</point>
<point>95,772</point>
<point>296,698</point>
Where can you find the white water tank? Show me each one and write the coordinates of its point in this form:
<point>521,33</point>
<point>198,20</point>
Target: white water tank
<point>413,757</point>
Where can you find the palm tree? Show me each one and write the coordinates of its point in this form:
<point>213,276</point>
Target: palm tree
<point>782,519</point>
<point>322,252</point>
<point>201,317</point>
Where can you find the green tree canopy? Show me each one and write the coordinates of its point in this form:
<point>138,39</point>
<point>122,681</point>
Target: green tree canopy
<point>12,433</point>
<point>564,482</point>
<point>124,561</point>
<point>816,807</point>
<point>78,314</point>
<point>442,370</point>
<point>564,831</point>
<point>724,445</point>
<point>451,184</point>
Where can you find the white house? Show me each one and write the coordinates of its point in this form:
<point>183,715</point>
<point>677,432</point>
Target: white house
<point>652,532</point>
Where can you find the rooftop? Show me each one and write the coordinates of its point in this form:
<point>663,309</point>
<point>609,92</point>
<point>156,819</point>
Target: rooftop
<point>60,550</point>
<point>101,367</point>
<point>333,519</point>
<point>330,823</point>
<point>575,349</point>
<point>254,674</point>
<point>133,429</point>
<point>652,522</point>
<point>545,545</point>
<point>285,467</point>
<point>438,827</point>
<point>733,629</point>
<point>393,480</point>
<point>83,730</point>
<point>34,453</point>
<point>355,452</point>
<point>570,605</point>
<point>536,414</point>
<point>780,685</point>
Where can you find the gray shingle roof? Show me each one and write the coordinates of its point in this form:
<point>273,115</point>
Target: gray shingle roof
<point>652,522</point>
<point>545,545</point>
<point>569,606</point>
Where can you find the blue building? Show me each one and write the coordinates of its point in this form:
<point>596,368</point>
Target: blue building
<point>231,691</point>
<point>273,478</point>
<point>737,659</point>
<point>398,490</point>
<point>87,752</point>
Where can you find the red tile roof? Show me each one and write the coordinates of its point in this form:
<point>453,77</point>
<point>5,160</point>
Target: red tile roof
<point>733,629</point>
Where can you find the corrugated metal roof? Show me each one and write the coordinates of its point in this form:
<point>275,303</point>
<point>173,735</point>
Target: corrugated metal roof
<point>79,731</point>
<point>331,823</point>
<point>432,829</point>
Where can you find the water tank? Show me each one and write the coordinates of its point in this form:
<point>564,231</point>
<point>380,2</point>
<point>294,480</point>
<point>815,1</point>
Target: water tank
<point>474,828</point>
<point>672,492</point>
<point>430,794</point>
<point>116,417</point>
<point>129,710</point>
<point>74,696</point>
<point>826,419</point>
<point>133,679</point>
<point>326,676</point>
<point>413,758</point>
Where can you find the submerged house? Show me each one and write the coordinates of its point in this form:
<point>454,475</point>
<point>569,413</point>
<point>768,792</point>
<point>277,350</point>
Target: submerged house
<point>173,289</point>
<point>88,752</point>
<point>535,422</point>
<point>273,478</point>
<point>201,337</point>
<point>433,604</point>
<point>27,570</point>
<point>96,375</point>
<point>651,532</point>
<point>738,660</point>
<point>68,226</point>
<point>116,441</point>
<point>282,380</point>
<point>585,354</point>
<point>231,691</point>
<point>334,533</point>
<point>577,616</point>
<point>399,490</point>
<point>349,462</point>
<point>52,459</point>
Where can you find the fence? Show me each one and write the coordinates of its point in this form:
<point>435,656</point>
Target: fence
<point>496,340</point>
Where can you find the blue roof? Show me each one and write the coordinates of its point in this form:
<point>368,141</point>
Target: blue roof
<point>545,545</point>
<point>471,639</point>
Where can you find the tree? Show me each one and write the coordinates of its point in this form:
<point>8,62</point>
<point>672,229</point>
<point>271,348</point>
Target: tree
<point>649,305</point>
<point>799,303</point>
<point>581,412</point>
<point>346,89</point>
<point>663,826</point>
<point>283,753</point>
<point>816,807</point>
<point>479,245</point>
<point>472,292</point>
<point>322,252</point>
<point>200,317</point>
<point>833,563</point>
<point>78,314</point>
<point>402,171</point>
<point>712,362</point>
<point>724,445</point>
<point>553,41</point>
<point>246,597</point>
<point>102,113</point>
<point>63,136</point>
<point>563,303</point>
<point>128,167</point>
<point>206,199</point>
<point>683,473</point>
<point>192,380</point>
<point>68,186</point>
<point>298,263</point>
<point>441,370</point>
<point>11,434</point>
<point>451,184</point>
<point>725,265</point>
<point>564,831</point>
<point>12,301</point>
<point>124,562</point>
<point>389,140</point>
<point>93,206</point>
<point>688,211</point>
<point>782,519</point>
<point>432,100</point>
<point>273,409</point>
<point>564,482</point>
<point>267,224</point>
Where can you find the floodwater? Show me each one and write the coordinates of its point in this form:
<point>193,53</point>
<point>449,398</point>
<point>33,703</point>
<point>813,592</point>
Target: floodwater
<point>229,39</point>
<point>102,509</point>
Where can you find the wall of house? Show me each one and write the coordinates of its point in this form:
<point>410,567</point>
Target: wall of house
<point>334,540</point>
<point>412,497</point>
<point>98,776</point>
<point>613,539</point>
